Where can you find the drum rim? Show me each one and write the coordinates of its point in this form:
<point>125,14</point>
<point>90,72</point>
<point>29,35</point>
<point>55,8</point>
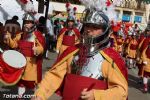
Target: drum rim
<point>11,65</point>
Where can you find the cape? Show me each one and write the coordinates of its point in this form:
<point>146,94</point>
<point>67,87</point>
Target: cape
<point>41,39</point>
<point>109,54</point>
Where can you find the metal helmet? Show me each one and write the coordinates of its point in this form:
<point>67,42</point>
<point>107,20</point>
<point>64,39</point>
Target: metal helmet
<point>29,17</point>
<point>71,18</point>
<point>96,18</point>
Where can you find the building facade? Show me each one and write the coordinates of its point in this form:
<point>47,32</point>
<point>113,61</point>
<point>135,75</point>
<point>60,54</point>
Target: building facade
<point>134,11</point>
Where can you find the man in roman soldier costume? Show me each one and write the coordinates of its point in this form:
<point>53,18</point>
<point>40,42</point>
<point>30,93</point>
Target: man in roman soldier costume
<point>113,35</point>
<point>131,51</point>
<point>96,71</point>
<point>31,44</point>
<point>145,58</point>
<point>120,42</point>
<point>69,35</point>
<point>126,43</point>
<point>140,49</point>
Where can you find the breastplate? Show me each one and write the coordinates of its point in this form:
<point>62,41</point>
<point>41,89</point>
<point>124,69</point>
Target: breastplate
<point>92,69</point>
<point>30,38</point>
<point>69,33</point>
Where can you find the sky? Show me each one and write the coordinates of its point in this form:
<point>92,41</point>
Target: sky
<point>9,8</point>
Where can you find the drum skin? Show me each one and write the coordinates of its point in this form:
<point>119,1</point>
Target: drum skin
<point>14,58</point>
<point>10,75</point>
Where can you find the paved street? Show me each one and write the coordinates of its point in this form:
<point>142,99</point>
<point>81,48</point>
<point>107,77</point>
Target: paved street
<point>135,90</point>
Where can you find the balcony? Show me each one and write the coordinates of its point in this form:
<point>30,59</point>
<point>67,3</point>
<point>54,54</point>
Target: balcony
<point>133,4</point>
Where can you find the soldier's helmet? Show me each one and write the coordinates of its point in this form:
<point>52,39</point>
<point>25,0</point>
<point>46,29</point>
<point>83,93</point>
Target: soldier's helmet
<point>28,17</point>
<point>97,19</point>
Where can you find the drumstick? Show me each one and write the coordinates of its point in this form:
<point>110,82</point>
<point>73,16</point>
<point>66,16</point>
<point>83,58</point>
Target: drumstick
<point>91,86</point>
<point>34,44</point>
<point>1,50</point>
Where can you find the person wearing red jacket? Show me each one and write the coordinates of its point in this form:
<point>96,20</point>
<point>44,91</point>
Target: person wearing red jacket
<point>145,59</point>
<point>68,36</point>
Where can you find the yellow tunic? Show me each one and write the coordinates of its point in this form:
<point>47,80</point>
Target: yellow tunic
<point>126,43</point>
<point>60,47</point>
<point>132,53</point>
<point>146,67</point>
<point>120,46</point>
<point>117,84</point>
<point>30,71</point>
<point>139,60</point>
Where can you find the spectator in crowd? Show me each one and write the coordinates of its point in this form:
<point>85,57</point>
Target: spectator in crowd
<point>12,26</point>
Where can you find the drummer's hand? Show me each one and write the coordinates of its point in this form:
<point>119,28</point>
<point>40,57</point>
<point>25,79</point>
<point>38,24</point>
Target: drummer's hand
<point>36,98</point>
<point>57,51</point>
<point>87,95</point>
<point>7,35</point>
<point>145,62</point>
<point>35,51</point>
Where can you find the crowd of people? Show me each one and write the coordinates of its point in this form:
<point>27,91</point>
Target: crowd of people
<point>133,46</point>
<point>93,56</point>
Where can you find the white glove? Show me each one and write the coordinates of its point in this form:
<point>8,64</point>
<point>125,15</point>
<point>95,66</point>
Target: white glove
<point>1,50</point>
<point>21,91</point>
<point>35,51</point>
<point>7,35</point>
<point>138,59</point>
<point>57,51</point>
<point>43,35</point>
<point>145,62</point>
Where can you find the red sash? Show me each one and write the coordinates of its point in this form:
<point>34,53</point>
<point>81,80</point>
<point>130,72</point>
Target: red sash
<point>133,47</point>
<point>74,84</point>
<point>68,40</point>
<point>119,42</point>
<point>25,48</point>
<point>148,52</point>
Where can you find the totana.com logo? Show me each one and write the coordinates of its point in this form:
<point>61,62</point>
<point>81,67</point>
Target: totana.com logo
<point>11,96</point>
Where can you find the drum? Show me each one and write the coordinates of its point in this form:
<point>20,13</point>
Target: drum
<point>11,66</point>
<point>14,59</point>
<point>74,84</point>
